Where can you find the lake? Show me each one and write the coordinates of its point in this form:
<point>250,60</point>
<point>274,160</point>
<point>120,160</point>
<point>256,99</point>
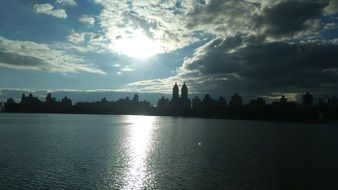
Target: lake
<point>58,151</point>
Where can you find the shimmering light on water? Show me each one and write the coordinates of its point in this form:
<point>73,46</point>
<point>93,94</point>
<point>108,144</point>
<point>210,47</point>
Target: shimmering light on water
<point>140,142</point>
<point>56,151</point>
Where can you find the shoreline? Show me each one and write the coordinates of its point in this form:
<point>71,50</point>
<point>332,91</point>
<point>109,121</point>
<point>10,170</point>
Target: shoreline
<point>333,122</point>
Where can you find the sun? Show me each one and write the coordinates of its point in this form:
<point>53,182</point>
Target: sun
<point>138,45</point>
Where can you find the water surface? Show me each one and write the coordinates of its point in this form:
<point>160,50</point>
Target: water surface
<point>57,151</point>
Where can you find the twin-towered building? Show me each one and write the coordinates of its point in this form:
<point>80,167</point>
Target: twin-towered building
<point>184,92</point>
<point>183,101</point>
<point>177,102</point>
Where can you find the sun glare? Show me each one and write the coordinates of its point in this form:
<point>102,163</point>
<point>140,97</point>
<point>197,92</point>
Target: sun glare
<point>140,143</point>
<point>138,46</point>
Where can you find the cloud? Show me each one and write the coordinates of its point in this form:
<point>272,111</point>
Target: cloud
<point>85,42</point>
<point>247,63</point>
<point>48,9</point>
<point>86,19</point>
<point>248,41</point>
<point>222,18</point>
<point>152,85</point>
<point>176,24</point>
<point>290,17</point>
<point>173,24</point>
<point>253,66</point>
<point>42,57</point>
<point>156,19</point>
<point>76,37</point>
<point>332,8</point>
<point>330,26</point>
<point>127,69</point>
<point>67,2</point>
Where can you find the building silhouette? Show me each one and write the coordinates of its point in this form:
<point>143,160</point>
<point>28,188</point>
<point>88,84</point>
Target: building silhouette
<point>66,101</point>
<point>178,105</point>
<point>283,100</point>
<point>29,100</point>
<point>307,100</point>
<point>135,98</point>
<point>175,93</point>
<point>259,102</point>
<point>181,105</point>
<point>184,91</point>
<point>184,100</point>
<point>163,103</point>
<point>2,106</point>
<point>208,102</point>
<point>222,102</point>
<point>197,103</point>
<point>236,101</point>
<point>50,100</point>
<point>333,102</point>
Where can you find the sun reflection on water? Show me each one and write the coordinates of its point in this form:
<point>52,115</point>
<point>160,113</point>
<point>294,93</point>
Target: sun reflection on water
<point>140,142</point>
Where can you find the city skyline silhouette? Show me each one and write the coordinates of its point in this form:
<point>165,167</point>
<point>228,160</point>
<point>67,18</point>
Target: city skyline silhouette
<point>180,105</point>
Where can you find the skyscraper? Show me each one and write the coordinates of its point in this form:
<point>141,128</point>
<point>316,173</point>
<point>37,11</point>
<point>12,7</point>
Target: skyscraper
<point>175,92</point>
<point>236,100</point>
<point>184,92</point>
<point>308,99</point>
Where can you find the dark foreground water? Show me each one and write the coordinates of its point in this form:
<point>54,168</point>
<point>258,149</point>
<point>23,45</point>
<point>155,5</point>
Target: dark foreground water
<point>50,151</point>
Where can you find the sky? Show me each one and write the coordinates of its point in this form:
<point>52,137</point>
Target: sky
<point>255,48</point>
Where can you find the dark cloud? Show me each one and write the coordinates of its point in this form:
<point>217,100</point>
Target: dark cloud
<point>290,17</point>
<point>207,58</point>
<point>42,57</point>
<point>15,60</point>
<point>277,19</point>
<point>222,17</point>
<point>250,65</point>
<point>250,62</point>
